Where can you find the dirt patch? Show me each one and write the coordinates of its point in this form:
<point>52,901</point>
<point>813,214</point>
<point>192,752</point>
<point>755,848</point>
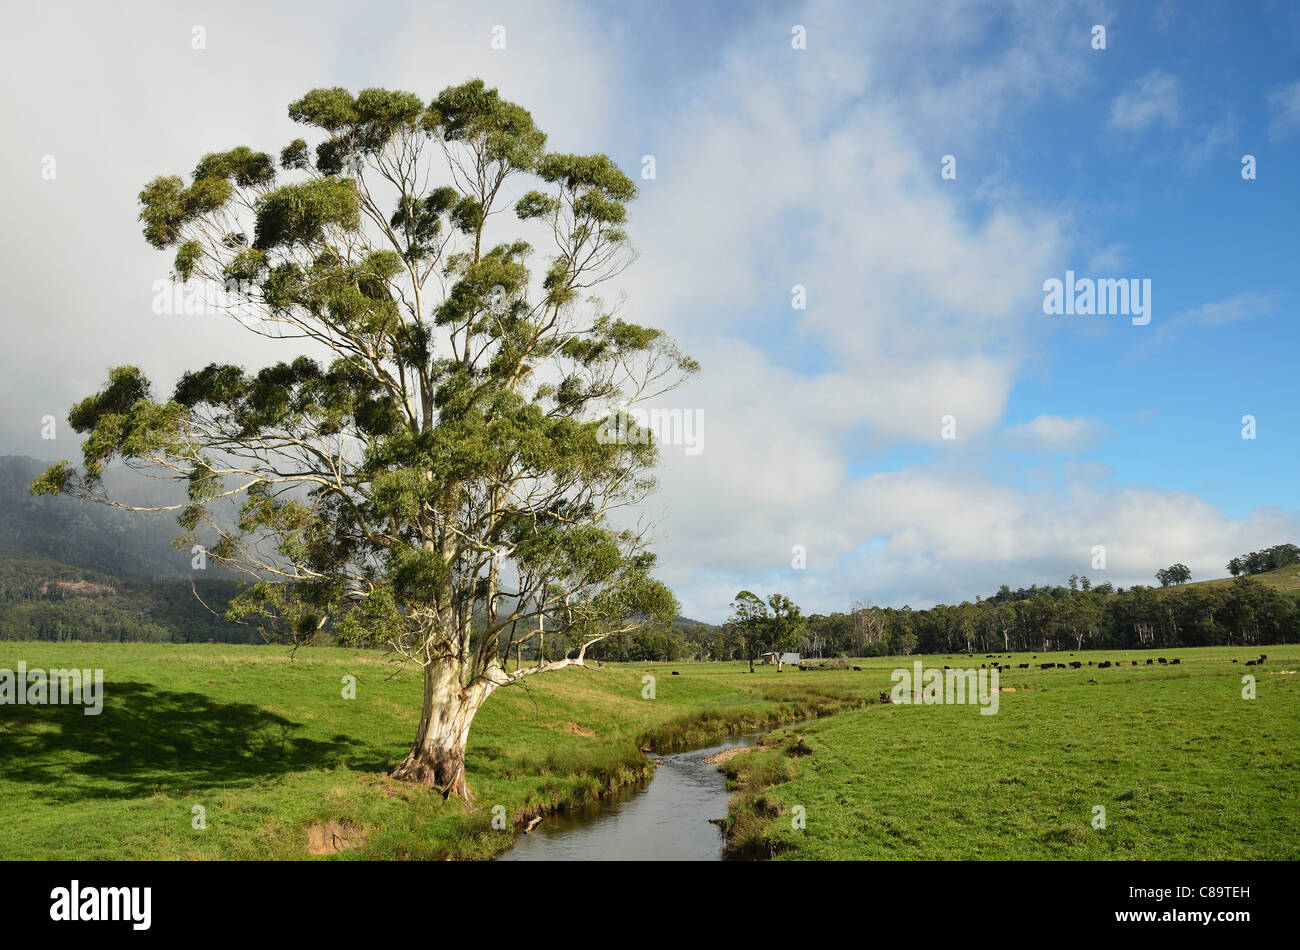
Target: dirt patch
<point>726,755</point>
<point>572,728</point>
<point>333,836</point>
<point>1006,689</point>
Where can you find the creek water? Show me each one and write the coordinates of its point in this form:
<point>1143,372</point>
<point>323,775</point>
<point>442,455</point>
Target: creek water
<point>663,819</point>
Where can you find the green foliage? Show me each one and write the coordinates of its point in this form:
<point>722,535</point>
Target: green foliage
<point>298,214</point>
<point>502,132</point>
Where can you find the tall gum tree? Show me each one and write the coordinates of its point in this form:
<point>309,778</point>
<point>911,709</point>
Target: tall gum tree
<point>433,474</point>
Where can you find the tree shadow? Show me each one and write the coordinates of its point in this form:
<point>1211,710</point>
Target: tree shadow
<point>148,739</point>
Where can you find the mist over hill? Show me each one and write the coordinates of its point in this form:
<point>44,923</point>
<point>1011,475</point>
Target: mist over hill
<point>124,544</point>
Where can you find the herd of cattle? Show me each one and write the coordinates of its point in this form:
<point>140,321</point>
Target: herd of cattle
<point>1078,664</point>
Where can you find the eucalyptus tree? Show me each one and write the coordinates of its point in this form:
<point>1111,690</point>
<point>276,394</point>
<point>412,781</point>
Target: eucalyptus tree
<point>759,626</point>
<point>431,471</point>
<point>747,625</point>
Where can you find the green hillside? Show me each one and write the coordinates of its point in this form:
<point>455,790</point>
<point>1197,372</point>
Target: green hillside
<point>1283,578</point>
<point>45,599</point>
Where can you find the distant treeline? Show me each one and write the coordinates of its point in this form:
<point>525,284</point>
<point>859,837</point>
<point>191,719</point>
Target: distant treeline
<point>1076,616</point>
<point>42,599</point>
<point>1270,559</point>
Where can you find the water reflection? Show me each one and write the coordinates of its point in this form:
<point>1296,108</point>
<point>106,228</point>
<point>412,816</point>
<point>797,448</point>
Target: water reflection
<point>666,819</point>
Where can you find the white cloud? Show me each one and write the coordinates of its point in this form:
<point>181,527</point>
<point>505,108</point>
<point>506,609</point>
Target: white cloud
<point>1108,260</point>
<point>1284,101</point>
<point>1153,98</point>
<point>1055,434</point>
<point>1211,141</point>
<point>775,167</point>
<point>1218,313</point>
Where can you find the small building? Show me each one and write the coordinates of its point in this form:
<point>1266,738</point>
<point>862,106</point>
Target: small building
<point>770,658</point>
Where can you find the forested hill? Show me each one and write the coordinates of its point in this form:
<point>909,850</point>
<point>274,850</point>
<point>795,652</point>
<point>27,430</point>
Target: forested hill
<point>125,544</point>
<point>44,599</point>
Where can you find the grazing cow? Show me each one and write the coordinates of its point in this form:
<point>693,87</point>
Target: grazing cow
<point>1149,662</point>
<point>858,669</point>
<point>1175,661</point>
<point>675,673</point>
<point>1161,659</point>
<point>1252,662</point>
<point>1135,662</point>
<point>1236,661</point>
<point>1262,658</point>
<point>1103,665</point>
<point>1076,665</point>
<point>1090,663</point>
<point>1046,666</point>
<point>1024,666</point>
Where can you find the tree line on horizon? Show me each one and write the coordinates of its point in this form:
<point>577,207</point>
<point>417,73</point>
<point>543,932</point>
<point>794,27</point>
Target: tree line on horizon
<point>1078,615</point>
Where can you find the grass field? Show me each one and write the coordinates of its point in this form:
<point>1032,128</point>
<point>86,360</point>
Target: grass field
<point>1184,767</point>
<point>269,748</point>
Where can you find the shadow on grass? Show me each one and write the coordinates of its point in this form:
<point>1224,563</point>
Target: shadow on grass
<point>148,739</point>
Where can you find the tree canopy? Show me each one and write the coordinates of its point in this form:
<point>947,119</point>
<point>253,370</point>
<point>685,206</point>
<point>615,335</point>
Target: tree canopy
<point>425,473</point>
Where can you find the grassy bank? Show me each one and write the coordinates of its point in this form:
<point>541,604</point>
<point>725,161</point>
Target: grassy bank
<point>1184,767</point>
<point>269,749</point>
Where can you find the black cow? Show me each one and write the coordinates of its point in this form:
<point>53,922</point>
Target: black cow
<point>1161,659</point>
<point>1076,664</point>
<point>1149,662</point>
<point>1175,661</point>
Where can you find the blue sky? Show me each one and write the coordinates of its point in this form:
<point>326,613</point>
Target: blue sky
<point>775,167</point>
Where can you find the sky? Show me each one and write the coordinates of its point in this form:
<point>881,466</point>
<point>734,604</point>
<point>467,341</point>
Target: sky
<point>919,171</point>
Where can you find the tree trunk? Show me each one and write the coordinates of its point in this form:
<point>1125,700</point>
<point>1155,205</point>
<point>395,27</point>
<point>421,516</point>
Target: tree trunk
<point>437,758</point>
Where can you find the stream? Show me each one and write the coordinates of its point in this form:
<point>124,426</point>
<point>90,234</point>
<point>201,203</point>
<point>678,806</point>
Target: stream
<point>663,819</point>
